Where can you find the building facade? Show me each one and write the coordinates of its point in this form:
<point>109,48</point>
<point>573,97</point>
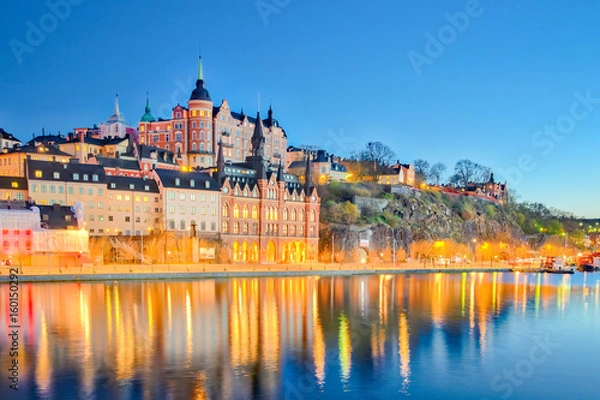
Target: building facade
<point>267,215</point>
<point>196,132</point>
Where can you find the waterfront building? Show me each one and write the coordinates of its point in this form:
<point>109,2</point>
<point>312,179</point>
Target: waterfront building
<point>84,146</point>
<point>190,202</point>
<point>267,215</point>
<point>196,132</point>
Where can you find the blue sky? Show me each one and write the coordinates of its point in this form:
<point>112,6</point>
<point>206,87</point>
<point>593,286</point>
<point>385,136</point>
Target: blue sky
<point>338,73</point>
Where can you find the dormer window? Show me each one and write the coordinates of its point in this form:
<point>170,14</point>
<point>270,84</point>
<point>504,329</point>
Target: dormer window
<point>207,184</point>
<point>177,181</point>
<point>192,183</point>
<point>75,176</point>
<point>56,175</point>
<point>147,188</point>
<point>85,177</point>
<point>113,185</point>
<point>131,186</point>
<point>95,177</point>
<point>38,174</point>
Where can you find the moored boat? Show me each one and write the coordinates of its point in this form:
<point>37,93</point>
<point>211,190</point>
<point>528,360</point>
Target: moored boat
<point>556,265</point>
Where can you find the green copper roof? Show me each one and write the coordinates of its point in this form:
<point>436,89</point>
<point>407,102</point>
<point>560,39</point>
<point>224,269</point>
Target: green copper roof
<point>200,74</point>
<point>147,117</point>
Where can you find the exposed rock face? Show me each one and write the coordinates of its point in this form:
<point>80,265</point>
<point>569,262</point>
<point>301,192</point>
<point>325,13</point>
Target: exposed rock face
<point>423,216</point>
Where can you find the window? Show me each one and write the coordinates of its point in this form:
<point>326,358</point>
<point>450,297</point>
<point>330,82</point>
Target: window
<point>284,231</point>
<point>181,209</point>
<point>95,177</point>
<point>90,204</point>
<point>213,226</point>
<point>38,174</point>
<point>34,188</point>
<point>177,181</point>
<point>100,205</point>
<point>254,212</point>
<point>213,198</point>
<point>171,224</point>
<point>301,213</point>
<point>293,214</point>
<point>312,216</point>
<point>182,196</point>
<point>91,191</point>
<point>56,175</point>
<point>236,211</point>
<point>193,197</point>
<point>225,227</point>
<point>70,189</point>
<point>182,224</point>
<point>285,214</point>
<point>171,195</point>
<point>225,212</point>
<point>110,218</point>
<point>207,184</point>
<point>245,211</point>
<point>131,186</point>
<point>113,185</point>
<point>85,177</point>
<point>202,210</point>
<point>213,211</point>
<point>171,209</point>
<point>100,191</point>
<point>192,210</point>
<point>236,228</point>
<point>128,219</point>
<point>43,188</point>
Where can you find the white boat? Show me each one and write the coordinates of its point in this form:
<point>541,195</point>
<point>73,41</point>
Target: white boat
<point>556,265</point>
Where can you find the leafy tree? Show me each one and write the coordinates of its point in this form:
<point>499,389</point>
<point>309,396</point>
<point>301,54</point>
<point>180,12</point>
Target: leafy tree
<point>436,172</point>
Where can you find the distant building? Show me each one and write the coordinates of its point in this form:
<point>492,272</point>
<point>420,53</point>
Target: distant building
<point>7,140</point>
<point>398,174</point>
<point>116,126</point>
<point>12,161</point>
<point>195,133</point>
<point>491,188</point>
<point>324,167</point>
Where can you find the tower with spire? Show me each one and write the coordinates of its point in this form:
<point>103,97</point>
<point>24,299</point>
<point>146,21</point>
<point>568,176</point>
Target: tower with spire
<point>116,125</point>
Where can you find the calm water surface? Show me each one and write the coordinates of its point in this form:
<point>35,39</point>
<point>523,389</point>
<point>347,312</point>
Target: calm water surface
<point>422,336</point>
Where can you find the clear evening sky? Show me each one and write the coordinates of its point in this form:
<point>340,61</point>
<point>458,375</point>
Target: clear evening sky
<point>511,84</point>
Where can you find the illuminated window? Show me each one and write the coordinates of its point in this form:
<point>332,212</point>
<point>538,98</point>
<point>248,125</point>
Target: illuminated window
<point>38,174</point>
<point>236,211</point>
<point>254,212</point>
<point>245,212</point>
<point>225,210</point>
<point>14,184</point>
<point>225,227</point>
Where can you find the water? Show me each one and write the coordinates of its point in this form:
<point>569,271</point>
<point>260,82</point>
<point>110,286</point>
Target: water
<point>422,336</point>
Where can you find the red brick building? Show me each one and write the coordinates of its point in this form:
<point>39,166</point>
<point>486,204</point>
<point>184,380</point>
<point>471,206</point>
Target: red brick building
<point>267,215</point>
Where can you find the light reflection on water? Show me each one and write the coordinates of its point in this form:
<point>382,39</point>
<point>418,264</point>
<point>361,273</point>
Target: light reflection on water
<point>422,335</point>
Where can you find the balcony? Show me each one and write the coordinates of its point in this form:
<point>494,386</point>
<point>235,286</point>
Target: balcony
<point>225,133</point>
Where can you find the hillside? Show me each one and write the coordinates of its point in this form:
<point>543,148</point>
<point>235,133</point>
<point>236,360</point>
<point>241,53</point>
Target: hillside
<point>409,217</point>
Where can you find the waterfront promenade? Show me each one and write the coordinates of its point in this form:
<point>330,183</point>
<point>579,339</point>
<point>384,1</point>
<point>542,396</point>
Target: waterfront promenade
<point>90,272</point>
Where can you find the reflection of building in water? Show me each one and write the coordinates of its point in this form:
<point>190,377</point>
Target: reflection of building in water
<point>345,348</point>
<point>404,350</point>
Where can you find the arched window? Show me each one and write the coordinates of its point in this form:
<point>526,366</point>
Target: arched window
<point>312,216</point>
<point>201,135</point>
<point>254,212</point>
<point>293,214</point>
<point>301,214</point>
<point>285,214</point>
<point>193,146</point>
<point>182,224</point>
<point>236,211</point>
<point>194,134</point>
<point>236,228</point>
<point>201,146</point>
<point>225,210</point>
<point>245,228</point>
<point>245,211</point>
<point>284,231</point>
<point>276,213</point>
<point>225,227</point>
<point>255,229</point>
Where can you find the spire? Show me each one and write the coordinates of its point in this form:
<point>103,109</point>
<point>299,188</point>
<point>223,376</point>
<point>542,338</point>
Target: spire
<point>308,175</point>
<point>200,73</point>
<point>258,138</point>
<point>280,177</point>
<point>200,92</point>
<point>220,162</point>
<point>117,112</point>
<point>270,115</point>
<point>147,117</point>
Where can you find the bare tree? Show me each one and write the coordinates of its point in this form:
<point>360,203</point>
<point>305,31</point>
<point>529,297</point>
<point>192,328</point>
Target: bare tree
<point>467,171</point>
<point>437,172</point>
<point>376,155</point>
<point>421,170</point>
